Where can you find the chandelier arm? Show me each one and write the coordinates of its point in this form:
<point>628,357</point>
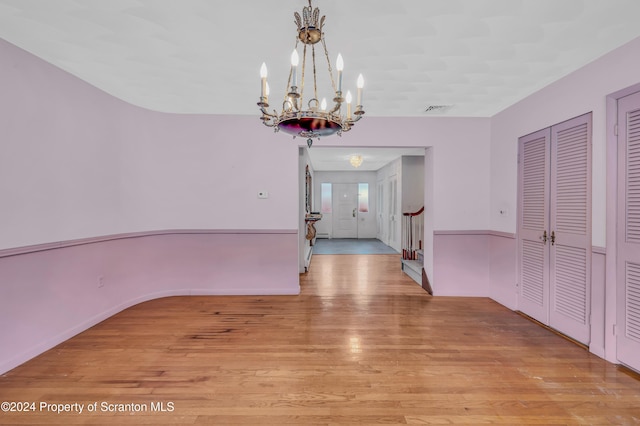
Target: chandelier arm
<point>269,123</point>
<point>358,113</point>
<point>267,113</point>
<point>336,106</point>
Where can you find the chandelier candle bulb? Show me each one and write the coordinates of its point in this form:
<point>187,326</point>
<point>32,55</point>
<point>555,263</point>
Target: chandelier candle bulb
<point>266,92</point>
<point>323,104</point>
<point>263,79</point>
<point>349,99</point>
<point>294,68</point>
<point>340,68</point>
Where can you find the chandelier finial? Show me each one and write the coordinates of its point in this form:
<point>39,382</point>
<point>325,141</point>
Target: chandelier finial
<point>309,25</point>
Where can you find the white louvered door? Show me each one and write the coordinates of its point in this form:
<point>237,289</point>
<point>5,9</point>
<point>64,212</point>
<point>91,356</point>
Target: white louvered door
<point>533,225</point>
<point>554,226</point>
<point>570,225</point>
<point>628,262</point>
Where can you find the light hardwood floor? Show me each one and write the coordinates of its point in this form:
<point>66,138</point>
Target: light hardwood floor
<point>362,344</point>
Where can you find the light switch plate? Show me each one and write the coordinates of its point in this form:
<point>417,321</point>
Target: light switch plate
<point>263,194</point>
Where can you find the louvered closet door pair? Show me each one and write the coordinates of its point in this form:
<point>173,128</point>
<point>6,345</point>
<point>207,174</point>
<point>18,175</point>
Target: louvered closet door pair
<point>554,226</point>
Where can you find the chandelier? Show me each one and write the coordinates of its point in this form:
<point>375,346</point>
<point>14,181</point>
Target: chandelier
<point>302,114</point>
<point>356,160</point>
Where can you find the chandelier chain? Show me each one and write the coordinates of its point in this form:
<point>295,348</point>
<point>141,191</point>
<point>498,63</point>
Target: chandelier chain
<point>304,68</point>
<point>338,103</point>
<point>326,54</point>
<point>315,79</point>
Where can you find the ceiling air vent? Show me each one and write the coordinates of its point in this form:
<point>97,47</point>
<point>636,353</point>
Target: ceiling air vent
<point>437,109</point>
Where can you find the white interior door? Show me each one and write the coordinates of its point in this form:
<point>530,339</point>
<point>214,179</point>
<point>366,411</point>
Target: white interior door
<point>395,223</point>
<point>345,216</point>
<point>533,238</point>
<point>628,259</point>
<point>381,234</point>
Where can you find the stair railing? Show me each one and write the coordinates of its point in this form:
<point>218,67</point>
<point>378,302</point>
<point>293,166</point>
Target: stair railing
<point>412,233</point>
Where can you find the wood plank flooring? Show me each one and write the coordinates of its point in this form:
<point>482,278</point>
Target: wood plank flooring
<point>362,344</point>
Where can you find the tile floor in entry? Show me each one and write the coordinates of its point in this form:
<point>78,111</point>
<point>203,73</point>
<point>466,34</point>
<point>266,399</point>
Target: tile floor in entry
<point>351,246</point>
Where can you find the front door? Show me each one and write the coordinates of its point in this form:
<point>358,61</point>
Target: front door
<point>345,216</point>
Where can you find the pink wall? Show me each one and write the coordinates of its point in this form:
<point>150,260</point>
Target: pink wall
<point>461,263</point>
<point>99,166</point>
<point>48,296</point>
<point>76,162</point>
<point>580,92</point>
<point>502,272</point>
<point>460,149</point>
<point>598,295</point>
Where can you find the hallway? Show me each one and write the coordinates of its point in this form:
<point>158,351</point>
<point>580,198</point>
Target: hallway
<point>361,344</point>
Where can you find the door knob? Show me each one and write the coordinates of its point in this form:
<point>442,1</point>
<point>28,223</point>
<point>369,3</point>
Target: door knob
<point>354,213</point>
<point>553,237</point>
<point>544,237</point>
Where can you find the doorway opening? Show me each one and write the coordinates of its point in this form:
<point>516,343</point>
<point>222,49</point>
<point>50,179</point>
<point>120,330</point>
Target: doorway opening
<point>364,206</point>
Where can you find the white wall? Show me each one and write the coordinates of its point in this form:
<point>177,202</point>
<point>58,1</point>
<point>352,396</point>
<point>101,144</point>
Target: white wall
<point>412,183</point>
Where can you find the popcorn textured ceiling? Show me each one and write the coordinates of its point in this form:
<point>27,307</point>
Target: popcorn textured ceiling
<point>203,56</point>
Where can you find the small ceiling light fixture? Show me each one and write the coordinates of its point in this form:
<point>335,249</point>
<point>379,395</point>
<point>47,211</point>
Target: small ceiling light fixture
<point>314,120</point>
<point>356,160</point>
